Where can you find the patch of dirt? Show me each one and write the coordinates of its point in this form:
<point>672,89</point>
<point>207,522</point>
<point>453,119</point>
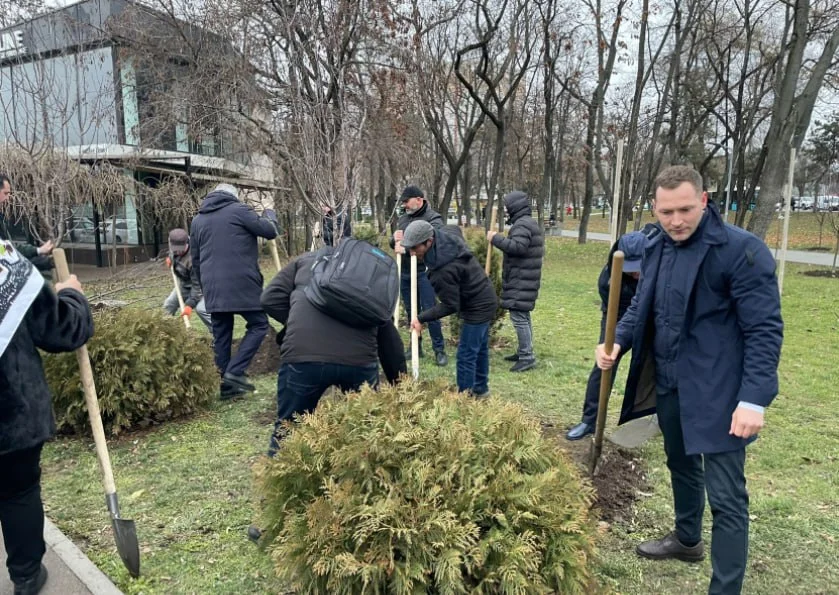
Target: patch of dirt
<point>619,477</point>
<point>827,274</point>
<point>267,359</point>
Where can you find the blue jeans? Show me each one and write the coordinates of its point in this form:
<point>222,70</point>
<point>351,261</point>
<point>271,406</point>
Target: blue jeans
<point>473,358</point>
<point>301,385</point>
<point>255,331</point>
<point>427,300</point>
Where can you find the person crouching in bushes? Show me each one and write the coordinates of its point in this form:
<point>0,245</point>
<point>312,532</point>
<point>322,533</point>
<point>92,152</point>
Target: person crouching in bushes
<point>462,287</point>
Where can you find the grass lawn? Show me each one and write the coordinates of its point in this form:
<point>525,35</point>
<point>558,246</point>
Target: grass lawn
<point>188,485</point>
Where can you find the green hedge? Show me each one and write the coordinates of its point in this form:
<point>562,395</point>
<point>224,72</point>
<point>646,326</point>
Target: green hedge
<point>147,368</point>
<point>418,490</point>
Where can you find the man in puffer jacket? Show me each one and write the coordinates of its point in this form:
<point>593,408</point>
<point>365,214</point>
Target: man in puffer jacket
<point>523,249</point>
<point>462,287</point>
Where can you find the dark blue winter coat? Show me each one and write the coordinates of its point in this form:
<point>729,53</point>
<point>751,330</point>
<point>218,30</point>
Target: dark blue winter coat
<point>225,255</point>
<point>730,342</point>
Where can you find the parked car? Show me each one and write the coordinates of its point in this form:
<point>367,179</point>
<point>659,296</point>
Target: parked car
<point>82,230</point>
<point>805,203</point>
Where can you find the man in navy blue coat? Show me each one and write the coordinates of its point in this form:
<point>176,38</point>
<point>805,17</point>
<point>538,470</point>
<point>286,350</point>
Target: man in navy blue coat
<point>705,331</point>
<point>225,258</point>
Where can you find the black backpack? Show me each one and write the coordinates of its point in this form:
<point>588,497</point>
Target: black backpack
<point>355,283</point>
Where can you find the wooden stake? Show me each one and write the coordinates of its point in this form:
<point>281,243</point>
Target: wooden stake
<point>489,244</point>
<point>414,314</point>
<point>398,291</point>
<point>275,253</point>
<point>787,204</point>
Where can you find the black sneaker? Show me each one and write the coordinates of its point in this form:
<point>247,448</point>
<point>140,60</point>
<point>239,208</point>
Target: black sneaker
<point>33,585</point>
<point>239,380</point>
<point>523,365</point>
<point>511,358</point>
<point>441,358</point>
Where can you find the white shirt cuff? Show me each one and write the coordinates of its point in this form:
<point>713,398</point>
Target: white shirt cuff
<point>751,406</point>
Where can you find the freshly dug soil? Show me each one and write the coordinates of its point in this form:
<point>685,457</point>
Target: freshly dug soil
<point>619,477</point>
<point>267,359</point>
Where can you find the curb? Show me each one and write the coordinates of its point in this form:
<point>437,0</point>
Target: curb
<point>90,576</point>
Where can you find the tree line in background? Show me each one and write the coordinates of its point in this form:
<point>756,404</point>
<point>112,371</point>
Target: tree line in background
<point>351,99</point>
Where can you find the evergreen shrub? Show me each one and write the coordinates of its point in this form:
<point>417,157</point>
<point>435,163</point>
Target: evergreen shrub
<point>414,489</point>
<point>147,367</point>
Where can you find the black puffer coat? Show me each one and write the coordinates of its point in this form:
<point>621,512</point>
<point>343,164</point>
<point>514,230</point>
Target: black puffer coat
<point>523,249</point>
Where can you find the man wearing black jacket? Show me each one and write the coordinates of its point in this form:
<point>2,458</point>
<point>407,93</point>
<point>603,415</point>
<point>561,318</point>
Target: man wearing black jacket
<point>418,209</point>
<point>462,287</point>
<point>332,224</point>
<point>180,259</point>
<point>632,245</point>
<point>319,351</point>
<point>37,255</point>
<point>33,316</point>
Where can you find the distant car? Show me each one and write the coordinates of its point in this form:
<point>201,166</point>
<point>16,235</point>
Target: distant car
<point>805,203</point>
<point>82,230</point>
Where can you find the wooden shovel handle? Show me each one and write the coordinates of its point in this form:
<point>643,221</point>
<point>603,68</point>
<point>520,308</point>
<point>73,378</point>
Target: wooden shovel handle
<point>86,372</point>
<point>609,342</point>
<point>489,244</point>
<point>272,244</point>
<point>414,314</point>
<point>180,296</point>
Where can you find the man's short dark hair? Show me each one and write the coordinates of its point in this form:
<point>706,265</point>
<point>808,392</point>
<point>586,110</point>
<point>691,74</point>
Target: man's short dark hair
<point>674,176</point>
<point>3,179</point>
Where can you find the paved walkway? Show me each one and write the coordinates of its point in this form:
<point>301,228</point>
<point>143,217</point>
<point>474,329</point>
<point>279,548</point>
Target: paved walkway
<point>800,256</point>
<point>70,571</point>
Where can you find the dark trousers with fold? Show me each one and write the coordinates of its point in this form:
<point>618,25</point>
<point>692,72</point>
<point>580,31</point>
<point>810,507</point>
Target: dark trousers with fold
<point>592,401</point>
<point>255,331</point>
<point>722,476</point>
<point>21,512</point>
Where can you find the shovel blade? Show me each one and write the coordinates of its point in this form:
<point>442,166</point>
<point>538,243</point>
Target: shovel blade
<point>125,535</point>
<point>634,433</point>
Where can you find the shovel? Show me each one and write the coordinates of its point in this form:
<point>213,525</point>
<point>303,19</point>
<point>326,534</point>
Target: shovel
<point>178,292</point>
<point>606,375</point>
<point>125,533</point>
<point>488,265</point>
<point>634,433</point>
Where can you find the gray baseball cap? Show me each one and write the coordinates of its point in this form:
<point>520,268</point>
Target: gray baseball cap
<point>417,233</point>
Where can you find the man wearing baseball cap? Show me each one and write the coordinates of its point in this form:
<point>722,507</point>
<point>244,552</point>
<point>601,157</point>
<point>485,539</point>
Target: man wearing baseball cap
<point>180,259</point>
<point>462,287</point>
<point>418,209</point>
<point>632,245</point>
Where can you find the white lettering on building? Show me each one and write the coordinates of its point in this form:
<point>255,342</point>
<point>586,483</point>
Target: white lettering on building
<point>11,44</point>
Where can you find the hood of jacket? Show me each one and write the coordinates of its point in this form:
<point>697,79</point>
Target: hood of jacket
<point>447,247</point>
<point>517,204</point>
<point>217,200</point>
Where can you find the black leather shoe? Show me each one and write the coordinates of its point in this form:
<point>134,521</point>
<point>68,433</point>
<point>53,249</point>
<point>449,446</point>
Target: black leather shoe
<point>581,430</point>
<point>254,533</point>
<point>523,365</point>
<point>511,358</point>
<point>441,358</point>
<point>228,391</point>
<point>33,585</point>
<point>240,381</point>
<point>670,547</point>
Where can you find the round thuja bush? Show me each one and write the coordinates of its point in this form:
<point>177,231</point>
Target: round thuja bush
<point>147,367</point>
<point>415,489</point>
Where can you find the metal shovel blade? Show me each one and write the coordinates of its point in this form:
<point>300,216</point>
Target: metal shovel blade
<point>634,433</point>
<point>125,535</point>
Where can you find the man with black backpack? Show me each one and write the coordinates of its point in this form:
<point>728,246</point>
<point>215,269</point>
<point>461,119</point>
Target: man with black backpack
<point>418,209</point>
<point>462,287</point>
<point>336,331</point>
